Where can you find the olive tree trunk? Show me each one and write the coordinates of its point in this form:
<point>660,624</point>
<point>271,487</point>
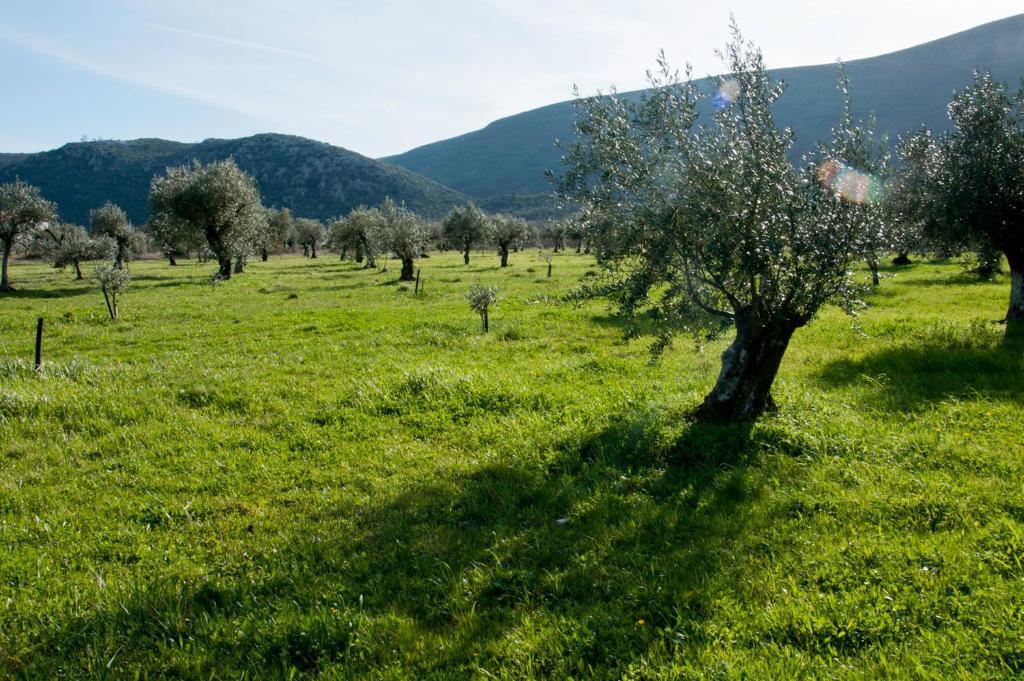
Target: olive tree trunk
<point>504,256</point>
<point>313,249</point>
<point>5,283</point>
<point>407,273</point>
<point>902,258</point>
<point>264,255</point>
<point>1015,312</point>
<point>749,366</point>
<point>465,254</point>
<point>873,266</point>
<point>78,271</point>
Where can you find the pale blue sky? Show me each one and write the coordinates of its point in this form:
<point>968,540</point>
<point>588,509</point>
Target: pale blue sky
<point>383,76</point>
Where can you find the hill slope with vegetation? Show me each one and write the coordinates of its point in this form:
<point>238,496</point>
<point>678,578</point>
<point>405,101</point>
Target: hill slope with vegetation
<point>312,178</point>
<point>904,89</point>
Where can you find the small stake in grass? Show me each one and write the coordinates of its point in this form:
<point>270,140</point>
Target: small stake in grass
<point>39,343</point>
<point>549,267</point>
<point>481,297</point>
<point>416,291</point>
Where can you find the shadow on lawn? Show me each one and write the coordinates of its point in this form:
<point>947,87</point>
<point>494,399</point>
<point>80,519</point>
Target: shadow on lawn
<point>34,294</point>
<point>615,546</point>
<point>910,375</point>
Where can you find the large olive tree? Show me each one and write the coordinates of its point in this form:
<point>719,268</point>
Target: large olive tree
<point>400,231</point>
<point>508,232</point>
<point>110,220</point>
<point>280,230</point>
<point>465,226</point>
<point>218,201</point>
<point>357,231</point>
<point>22,211</point>
<point>68,245</point>
<point>309,234</point>
<point>708,225</point>
<point>980,180</point>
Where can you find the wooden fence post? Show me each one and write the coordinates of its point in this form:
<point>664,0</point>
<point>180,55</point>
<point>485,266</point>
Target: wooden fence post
<point>39,343</point>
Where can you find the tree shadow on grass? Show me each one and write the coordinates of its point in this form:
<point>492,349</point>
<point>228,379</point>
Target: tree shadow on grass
<point>908,376</point>
<point>612,548</point>
<point>36,294</point>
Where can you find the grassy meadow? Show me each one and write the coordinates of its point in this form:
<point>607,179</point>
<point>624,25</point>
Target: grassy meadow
<point>308,470</point>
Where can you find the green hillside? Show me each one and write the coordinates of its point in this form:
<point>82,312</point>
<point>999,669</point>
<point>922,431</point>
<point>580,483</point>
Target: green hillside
<point>904,89</point>
<point>314,179</point>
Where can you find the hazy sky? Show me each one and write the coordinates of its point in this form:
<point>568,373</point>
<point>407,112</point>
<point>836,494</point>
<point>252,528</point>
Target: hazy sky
<point>383,76</point>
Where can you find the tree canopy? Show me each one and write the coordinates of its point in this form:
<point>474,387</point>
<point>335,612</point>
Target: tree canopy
<point>710,226</point>
<point>218,201</point>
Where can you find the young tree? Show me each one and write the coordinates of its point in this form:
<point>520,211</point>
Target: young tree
<point>509,232</point>
<point>980,188</point>
<point>280,230</point>
<point>401,232</point>
<point>710,227</point>
<point>308,234</point>
<point>465,226</point>
<point>217,201</point>
<point>112,222</point>
<point>481,297</point>
<point>69,245</point>
<point>112,281</point>
<point>22,211</point>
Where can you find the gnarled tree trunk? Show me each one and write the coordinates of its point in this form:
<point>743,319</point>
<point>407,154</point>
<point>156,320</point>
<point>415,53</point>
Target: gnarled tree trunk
<point>465,255</point>
<point>264,255</point>
<point>504,256</point>
<point>902,258</point>
<point>873,266</point>
<point>170,259</point>
<point>78,271</point>
<point>407,270</point>
<point>5,283</point>
<point>749,366</point>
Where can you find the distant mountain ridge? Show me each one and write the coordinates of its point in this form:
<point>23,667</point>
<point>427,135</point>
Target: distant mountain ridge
<point>904,89</point>
<point>312,178</point>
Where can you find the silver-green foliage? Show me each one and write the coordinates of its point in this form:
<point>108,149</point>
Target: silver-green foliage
<point>112,222</point>
<point>23,211</point>
<point>67,245</point>
<point>217,201</point>
<point>481,297</point>
<point>463,227</point>
<point>509,232</point>
<point>709,225</point>
<point>112,280</point>
<point>400,231</point>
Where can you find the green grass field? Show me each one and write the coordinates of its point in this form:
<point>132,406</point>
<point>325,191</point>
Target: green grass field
<point>309,470</point>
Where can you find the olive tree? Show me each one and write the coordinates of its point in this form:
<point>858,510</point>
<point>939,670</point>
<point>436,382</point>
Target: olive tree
<point>555,231</point>
<point>855,168</point>
<point>401,232</point>
<point>112,222</point>
<point>23,211</point>
<point>481,297</point>
<point>218,201</point>
<point>112,281</point>
<point>463,227</point>
<point>68,245</point>
<point>357,231</point>
<point>280,230</point>
<point>710,226</point>
<point>980,181</point>
<point>508,232</point>
<point>308,234</point>
<point>908,199</point>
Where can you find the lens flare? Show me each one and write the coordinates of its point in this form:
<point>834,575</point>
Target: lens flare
<point>727,93</point>
<point>849,183</point>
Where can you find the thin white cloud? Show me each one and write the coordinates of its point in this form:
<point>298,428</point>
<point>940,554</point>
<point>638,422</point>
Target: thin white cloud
<point>234,42</point>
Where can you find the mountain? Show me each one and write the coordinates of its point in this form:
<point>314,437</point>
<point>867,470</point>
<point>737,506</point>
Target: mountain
<point>312,178</point>
<point>903,89</point>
